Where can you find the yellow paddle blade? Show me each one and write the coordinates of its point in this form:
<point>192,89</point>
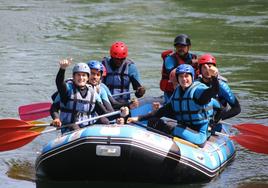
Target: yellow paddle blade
<point>37,129</point>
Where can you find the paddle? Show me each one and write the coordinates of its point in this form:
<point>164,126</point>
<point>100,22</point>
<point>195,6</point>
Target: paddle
<point>4,129</point>
<point>40,110</point>
<point>21,136</point>
<point>254,143</point>
<point>253,129</point>
<point>256,140</point>
<point>246,128</point>
<point>124,93</point>
<point>33,130</point>
<point>18,124</point>
<point>34,111</point>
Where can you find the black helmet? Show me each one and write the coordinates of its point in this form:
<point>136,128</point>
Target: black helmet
<point>182,39</point>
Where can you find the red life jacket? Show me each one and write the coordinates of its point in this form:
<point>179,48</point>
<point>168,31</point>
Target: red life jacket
<point>165,84</point>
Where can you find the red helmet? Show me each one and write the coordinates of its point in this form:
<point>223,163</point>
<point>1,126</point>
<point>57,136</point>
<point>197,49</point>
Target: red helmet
<point>104,73</point>
<point>173,78</point>
<point>206,58</point>
<point>119,50</point>
<point>172,75</point>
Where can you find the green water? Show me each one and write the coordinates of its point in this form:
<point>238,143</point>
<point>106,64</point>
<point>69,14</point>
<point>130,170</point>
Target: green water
<point>35,34</point>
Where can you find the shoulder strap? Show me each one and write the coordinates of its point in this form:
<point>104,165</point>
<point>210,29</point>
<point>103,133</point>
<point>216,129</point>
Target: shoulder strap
<point>165,53</point>
<point>122,74</point>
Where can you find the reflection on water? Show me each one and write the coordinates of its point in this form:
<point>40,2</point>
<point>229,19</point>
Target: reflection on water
<point>21,170</point>
<point>258,181</point>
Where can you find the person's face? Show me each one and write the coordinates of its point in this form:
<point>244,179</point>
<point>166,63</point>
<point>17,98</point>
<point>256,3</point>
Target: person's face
<point>182,49</point>
<point>95,77</point>
<point>204,70</point>
<point>118,61</point>
<point>80,79</point>
<point>185,80</point>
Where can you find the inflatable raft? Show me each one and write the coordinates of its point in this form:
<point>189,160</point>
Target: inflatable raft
<point>132,152</point>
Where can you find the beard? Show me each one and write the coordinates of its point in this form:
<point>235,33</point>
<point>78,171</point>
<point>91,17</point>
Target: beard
<point>181,53</point>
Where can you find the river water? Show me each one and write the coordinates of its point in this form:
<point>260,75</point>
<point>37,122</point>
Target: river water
<point>35,34</point>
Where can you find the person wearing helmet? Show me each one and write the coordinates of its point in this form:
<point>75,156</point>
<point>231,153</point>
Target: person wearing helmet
<point>97,70</point>
<point>121,71</point>
<point>173,78</point>
<point>77,98</point>
<point>225,95</point>
<point>181,55</point>
<point>191,105</point>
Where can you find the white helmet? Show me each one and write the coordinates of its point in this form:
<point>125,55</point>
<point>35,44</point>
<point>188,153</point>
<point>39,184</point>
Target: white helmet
<point>81,67</point>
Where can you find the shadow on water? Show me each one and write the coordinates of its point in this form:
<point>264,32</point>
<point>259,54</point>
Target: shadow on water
<point>24,170</point>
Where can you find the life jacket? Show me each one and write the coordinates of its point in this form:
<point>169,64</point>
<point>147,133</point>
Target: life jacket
<point>117,80</point>
<point>77,108</point>
<point>165,84</point>
<point>188,112</point>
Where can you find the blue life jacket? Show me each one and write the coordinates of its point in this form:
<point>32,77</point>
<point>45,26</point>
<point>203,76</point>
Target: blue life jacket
<point>190,114</point>
<point>117,80</point>
<point>77,108</point>
<point>187,111</point>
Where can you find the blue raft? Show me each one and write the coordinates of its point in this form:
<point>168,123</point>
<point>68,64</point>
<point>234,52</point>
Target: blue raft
<point>132,153</point>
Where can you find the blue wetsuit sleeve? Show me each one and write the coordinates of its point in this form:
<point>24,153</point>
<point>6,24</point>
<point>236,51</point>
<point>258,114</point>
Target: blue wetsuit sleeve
<point>134,76</point>
<point>133,72</point>
<point>169,63</point>
<point>226,93</point>
<point>103,93</point>
<point>105,99</point>
<point>103,86</point>
<point>98,97</point>
<point>233,111</point>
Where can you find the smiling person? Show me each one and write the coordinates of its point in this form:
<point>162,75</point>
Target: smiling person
<point>121,72</point>
<point>191,105</point>
<point>172,59</point>
<point>96,69</point>
<point>77,98</point>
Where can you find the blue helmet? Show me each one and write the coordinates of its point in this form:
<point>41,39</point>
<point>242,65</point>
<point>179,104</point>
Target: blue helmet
<point>94,64</point>
<point>185,68</point>
<point>81,67</point>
